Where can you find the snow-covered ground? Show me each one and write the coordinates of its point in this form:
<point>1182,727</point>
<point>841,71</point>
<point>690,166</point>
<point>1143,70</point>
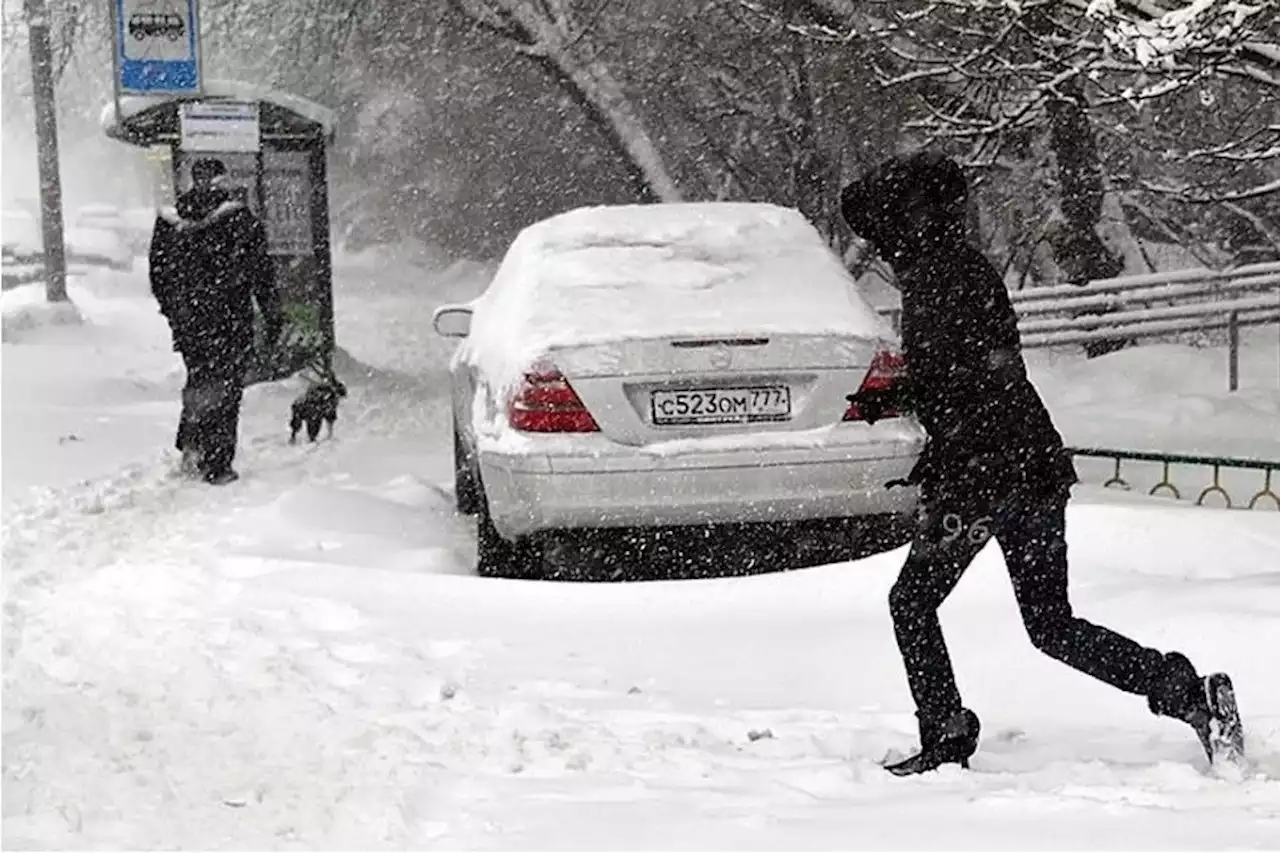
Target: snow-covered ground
<point>305,659</point>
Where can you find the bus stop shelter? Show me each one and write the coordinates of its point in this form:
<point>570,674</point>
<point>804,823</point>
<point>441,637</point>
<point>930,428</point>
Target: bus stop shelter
<point>274,146</point>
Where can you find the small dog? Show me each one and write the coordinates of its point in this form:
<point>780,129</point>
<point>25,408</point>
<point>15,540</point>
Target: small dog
<point>318,403</point>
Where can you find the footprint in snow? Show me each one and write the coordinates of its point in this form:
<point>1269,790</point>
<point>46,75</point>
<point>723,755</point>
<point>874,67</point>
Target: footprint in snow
<point>322,614</point>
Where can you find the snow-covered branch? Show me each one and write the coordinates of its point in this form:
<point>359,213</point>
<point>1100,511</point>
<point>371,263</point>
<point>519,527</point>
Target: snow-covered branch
<point>1215,29</point>
<point>1193,196</point>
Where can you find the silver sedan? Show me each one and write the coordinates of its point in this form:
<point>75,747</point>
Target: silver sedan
<point>669,366</point>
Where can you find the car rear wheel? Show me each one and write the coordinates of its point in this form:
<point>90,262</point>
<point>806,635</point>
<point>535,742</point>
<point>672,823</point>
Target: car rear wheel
<point>466,493</point>
<point>497,557</point>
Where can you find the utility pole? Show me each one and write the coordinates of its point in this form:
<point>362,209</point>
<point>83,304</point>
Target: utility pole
<point>55,258</point>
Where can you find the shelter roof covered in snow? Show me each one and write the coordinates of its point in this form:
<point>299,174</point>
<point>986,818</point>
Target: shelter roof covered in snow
<point>127,123</point>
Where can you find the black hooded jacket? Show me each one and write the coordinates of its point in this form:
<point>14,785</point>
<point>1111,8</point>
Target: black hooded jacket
<point>988,429</point>
<point>209,262</point>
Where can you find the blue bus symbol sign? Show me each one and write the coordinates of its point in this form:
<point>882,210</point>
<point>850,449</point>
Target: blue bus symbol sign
<point>157,44</point>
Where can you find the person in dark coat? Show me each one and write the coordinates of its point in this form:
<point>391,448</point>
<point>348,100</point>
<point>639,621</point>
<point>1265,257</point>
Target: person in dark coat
<point>994,464</point>
<point>209,263</point>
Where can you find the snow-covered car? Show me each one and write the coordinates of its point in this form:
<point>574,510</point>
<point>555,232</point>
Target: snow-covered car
<point>132,225</point>
<point>20,234</point>
<point>88,243</point>
<point>106,216</point>
<point>98,247</point>
<point>99,233</point>
<point>657,366</point>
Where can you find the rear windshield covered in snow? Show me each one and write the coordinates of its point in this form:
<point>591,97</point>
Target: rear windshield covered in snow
<point>755,265</point>
<point>672,265</point>
<point>693,245</point>
<point>634,272</point>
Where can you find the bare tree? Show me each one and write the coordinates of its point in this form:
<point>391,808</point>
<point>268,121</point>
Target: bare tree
<point>993,76</point>
<point>551,33</point>
<point>762,111</point>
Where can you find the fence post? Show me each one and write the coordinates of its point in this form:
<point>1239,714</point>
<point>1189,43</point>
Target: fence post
<point>1233,350</point>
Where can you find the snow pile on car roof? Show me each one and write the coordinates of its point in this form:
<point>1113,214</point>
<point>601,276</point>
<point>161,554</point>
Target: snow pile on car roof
<point>629,272</point>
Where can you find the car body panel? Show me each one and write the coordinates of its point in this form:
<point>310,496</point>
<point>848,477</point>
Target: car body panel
<point>840,472</point>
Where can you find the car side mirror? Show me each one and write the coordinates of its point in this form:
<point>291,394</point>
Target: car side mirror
<point>452,321</point>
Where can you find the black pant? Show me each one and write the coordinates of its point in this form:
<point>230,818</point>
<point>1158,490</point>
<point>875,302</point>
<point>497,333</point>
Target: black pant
<point>1031,530</point>
<point>211,400</point>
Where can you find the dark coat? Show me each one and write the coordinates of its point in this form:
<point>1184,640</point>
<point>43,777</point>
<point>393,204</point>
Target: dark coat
<point>209,263</point>
<point>989,430</point>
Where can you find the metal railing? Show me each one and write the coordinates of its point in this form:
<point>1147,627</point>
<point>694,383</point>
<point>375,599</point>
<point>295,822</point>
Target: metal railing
<point>1128,307</point>
<point>1152,305</point>
<point>1165,485</point>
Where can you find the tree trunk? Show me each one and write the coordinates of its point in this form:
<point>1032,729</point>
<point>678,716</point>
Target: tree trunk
<point>545,32</point>
<point>591,85</point>
<point>46,118</point>
<point>1078,249</point>
<point>807,172</point>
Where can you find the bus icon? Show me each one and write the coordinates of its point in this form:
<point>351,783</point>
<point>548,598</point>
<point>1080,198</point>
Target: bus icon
<point>150,25</point>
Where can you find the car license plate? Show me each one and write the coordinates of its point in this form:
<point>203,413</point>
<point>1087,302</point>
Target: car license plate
<point>721,405</point>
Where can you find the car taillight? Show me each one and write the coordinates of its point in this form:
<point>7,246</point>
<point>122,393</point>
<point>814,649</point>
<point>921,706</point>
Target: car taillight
<point>546,402</point>
<point>885,370</point>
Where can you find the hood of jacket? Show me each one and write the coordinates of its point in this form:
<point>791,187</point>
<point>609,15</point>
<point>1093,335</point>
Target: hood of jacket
<point>907,207</point>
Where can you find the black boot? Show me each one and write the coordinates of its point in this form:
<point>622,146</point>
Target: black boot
<point>221,476</point>
<point>1205,703</point>
<point>950,742</point>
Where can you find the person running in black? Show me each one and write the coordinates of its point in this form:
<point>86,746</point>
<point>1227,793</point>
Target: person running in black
<point>209,263</point>
<point>994,466</point>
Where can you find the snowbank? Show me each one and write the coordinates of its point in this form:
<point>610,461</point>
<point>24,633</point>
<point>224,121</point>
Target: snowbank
<point>648,271</point>
<point>83,400</point>
<point>1168,398</point>
<point>307,660</point>
<point>25,309</point>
